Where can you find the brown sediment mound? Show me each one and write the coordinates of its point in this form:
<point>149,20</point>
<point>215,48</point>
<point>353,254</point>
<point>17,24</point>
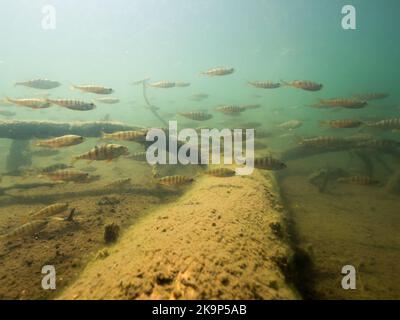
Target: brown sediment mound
<point>225,239</point>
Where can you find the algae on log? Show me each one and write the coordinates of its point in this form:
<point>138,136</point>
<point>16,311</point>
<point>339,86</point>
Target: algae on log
<point>26,130</point>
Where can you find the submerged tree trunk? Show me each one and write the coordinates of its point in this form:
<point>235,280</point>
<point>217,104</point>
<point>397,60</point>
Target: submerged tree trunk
<point>26,130</point>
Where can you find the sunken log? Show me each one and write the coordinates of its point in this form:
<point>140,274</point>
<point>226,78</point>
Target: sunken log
<point>30,129</point>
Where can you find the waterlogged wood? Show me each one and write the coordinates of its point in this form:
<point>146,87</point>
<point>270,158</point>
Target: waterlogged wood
<point>25,129</point>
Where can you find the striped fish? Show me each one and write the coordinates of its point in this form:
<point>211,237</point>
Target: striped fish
<point>230,110</point>
<point>342,123</point>
<point>342,102</point>
<point>220,172</point>
<point>93,89</point>
<point>50,210</point>
<point>34,103</point>
<point>26,229</point>
<point>103,152</point>
<point>323,142</point>
<point>220,71</point>
<point>175,180</point>
<point>120,183</point>
<point>54,167</point>
<point>265,84</point>
<point>304,85</point>
<point>359,180</point>
<point>63,141</point>
<point>107,100</point>
<point>371,96</point>
<point>196,115</point>
<point>68,175</point>
<point>269,163</point>
<point>138,156</point>
<point>359,137</point>
<point>39,84</point>
<point>73,104</point>
<point>390,124</point>
<point>133,135</point>
<point>291,124</point>
<point>181,84</point>
<point>162,84</point>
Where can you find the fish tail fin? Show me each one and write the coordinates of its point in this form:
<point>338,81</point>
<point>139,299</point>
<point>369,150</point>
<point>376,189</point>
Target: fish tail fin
<point>323,123</point>
<point>285,83</point>
<point>363,125</point>
<point>145,80</point>
<point>297,139</point>
<point>367,125</point>
<point>105,135</point>
<point>75,159</point>
<point>318,104</point>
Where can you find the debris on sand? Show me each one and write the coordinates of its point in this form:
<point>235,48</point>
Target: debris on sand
<point>111,233</point>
